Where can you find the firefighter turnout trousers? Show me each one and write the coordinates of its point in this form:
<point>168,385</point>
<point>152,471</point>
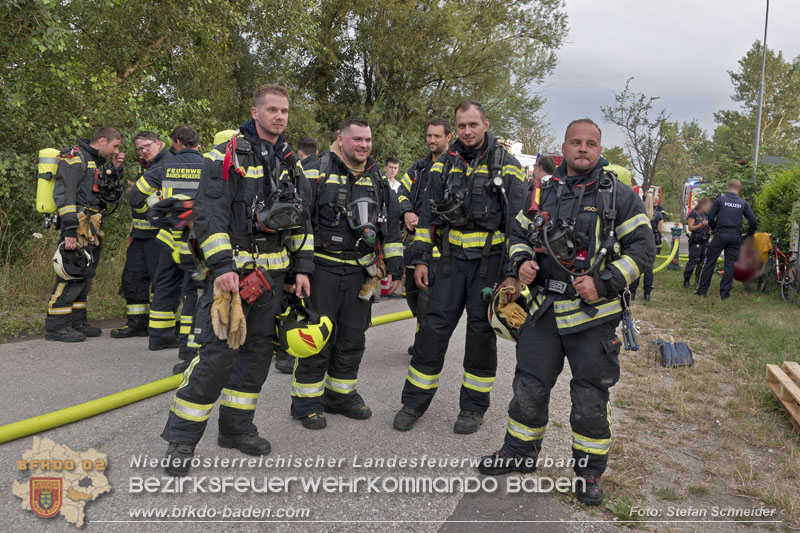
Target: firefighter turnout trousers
<point>141,261</point>
<point>593,356</point>
<point>234,376</point>
<point>68,301</point>
<point>730,243</point>
<point>448,296</point>
<point>168,286</point>
<point>330,377</point>
<point>189,345</point>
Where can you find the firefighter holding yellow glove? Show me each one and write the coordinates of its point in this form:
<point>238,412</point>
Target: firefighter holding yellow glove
<point>585,242</point>
<point>252,225</point>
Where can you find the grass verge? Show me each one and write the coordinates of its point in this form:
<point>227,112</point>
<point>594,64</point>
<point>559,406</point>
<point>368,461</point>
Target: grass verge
<point>713,434</point>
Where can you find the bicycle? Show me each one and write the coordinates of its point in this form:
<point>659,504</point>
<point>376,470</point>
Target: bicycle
<point>780,270</point>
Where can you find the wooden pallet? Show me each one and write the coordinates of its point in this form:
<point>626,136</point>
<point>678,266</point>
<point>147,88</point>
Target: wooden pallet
<point>785,383</point>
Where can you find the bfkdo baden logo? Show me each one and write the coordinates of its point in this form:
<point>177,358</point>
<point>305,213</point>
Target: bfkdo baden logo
<point>61,482</point>
<point>46,493</point>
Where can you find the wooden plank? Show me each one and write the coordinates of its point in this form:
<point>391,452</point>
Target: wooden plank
<point>790,391</point>
<point>792,369</point>
<point>782,387</point>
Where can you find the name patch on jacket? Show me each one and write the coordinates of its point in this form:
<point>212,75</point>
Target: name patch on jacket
<point>737,206</point>
<point>184,173</point>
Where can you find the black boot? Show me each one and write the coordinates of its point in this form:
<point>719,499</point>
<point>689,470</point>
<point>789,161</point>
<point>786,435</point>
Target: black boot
<point>65,335</point>
<point>405,418</point>
<point>127,331</point>
<point>167,343</point>
<point>283,361</point>
<point>468,422</point>
<point>500,463</point>
<point>86,329</point>
<point>314,421</point>
<point>180,368</point>
<point>686,284</point>
<point>249,443</point>
<point>647,297</point>
<point>179,456</point>
<point>592,493</point>
<point>359,412</point>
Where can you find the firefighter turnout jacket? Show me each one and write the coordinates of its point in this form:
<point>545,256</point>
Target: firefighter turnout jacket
<point>336,244</point>
<point>577,198</point>
<point>79,169</point>
<point>462,175</point>
<point>142,229</point>
<point>224,206</point>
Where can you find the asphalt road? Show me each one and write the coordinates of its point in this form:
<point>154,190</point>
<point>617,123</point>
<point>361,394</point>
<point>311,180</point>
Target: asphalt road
<point>41,376</point>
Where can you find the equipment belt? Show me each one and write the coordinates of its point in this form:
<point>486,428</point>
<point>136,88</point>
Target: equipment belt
<point>348,256</point>
<point>246,245</point>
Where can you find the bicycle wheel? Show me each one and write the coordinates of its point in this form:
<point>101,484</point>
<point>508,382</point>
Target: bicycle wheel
<point>768,278</point>
<point>789,285</point>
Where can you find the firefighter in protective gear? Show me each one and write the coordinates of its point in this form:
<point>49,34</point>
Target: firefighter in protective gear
<point>575,306</point>
<point>307,153</point>
<point>469,190</point>
<point>355,217</point>
<point>180,175</point>
<point>412,199</point>
<point>77,192</point>
<point>141,257</point>
<point>244,181</point>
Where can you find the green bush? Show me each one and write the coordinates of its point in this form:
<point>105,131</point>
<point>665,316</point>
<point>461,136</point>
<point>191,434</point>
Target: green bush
<point>774,202</point>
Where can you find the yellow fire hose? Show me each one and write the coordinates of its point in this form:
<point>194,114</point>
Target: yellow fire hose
<point>37,424</point>
<point>668,260</point>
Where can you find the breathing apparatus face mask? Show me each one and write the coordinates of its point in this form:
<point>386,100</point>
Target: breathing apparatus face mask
<point>362,217</point>
<point>107,185</point>
<point>452,209</point>
<point>560,239</point>
<point>284,211</point>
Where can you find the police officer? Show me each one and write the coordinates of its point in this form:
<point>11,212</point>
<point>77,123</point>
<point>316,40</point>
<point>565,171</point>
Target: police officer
<point>574,307</point>
<point>469,190</point>
<point>354,216</point>
<point>179,175</point>
<point>309,160</point>
<point>141,257</point>
<point>725,219</point>
<point>250,185</point>
<point>79,198</point>
<point>697,222</point>
<point>411,197</point>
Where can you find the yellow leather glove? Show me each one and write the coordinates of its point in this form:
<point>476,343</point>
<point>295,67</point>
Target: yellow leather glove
<point>238,325</point>
<point>371,289</point>
<point>220,312</point>
<point>514,315</point>
<point>96,218</point>
<point>84,231</point>
<point>89,229</point>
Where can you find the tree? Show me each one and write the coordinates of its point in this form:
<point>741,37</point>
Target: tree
<point>538,139</point>
<point>618,156</point>
<point>687,152</point>
<point>399,63</point>
<point>644,129</point>
<point>733,138</point>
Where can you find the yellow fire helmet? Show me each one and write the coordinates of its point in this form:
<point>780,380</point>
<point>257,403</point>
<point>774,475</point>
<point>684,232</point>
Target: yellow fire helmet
<point>302,331</point>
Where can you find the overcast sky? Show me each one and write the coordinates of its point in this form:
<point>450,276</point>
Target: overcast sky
<point>679,50</point>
